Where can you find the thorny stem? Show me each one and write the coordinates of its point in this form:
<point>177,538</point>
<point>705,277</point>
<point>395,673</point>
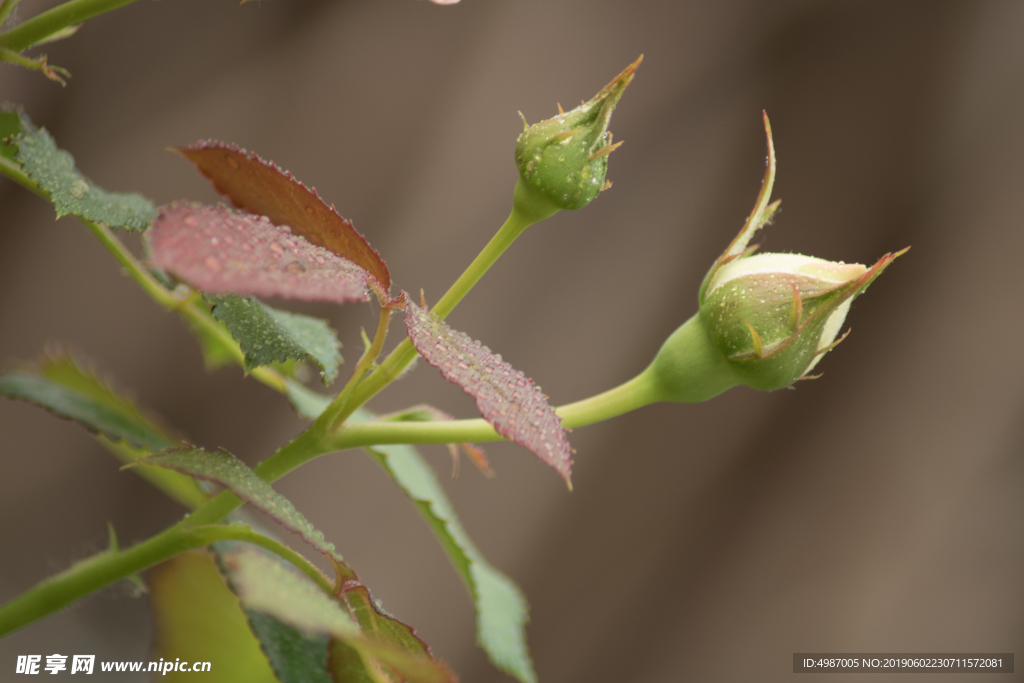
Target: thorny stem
<point>45,24</point>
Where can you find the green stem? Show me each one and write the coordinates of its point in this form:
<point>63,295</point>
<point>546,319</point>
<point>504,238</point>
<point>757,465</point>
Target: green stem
<point>88,576</point>
<point>107,567</point>
<point>45,24</point>
<point>337,411</point>
<point>635,393</point>
<point>527,209</point>
<point>203,536</point>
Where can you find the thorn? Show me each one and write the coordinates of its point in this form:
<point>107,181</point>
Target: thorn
<point>479,459</point>
<point>423,302</point>
<point>806,377</point>
<point>758,344</point>
<point>798,309</point>
<point>605,151</point>
<point>112,545</point>
<point>834,344</point>
<point>607,185</point>
<point>453,450</point>
<point>560,110</point>
<point>526,126</point>
<point>564,134</point>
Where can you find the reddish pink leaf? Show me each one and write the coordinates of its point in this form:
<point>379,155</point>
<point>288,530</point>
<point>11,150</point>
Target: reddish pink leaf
<point>260,187</point>
<point>219,250</point>
<point>505,397</point>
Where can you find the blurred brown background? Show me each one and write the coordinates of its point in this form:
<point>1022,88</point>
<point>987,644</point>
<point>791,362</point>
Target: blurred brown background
<point>877,509</point>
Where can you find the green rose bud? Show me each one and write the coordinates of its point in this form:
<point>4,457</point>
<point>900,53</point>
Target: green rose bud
<point>764,320</point>
<point>564,159</point>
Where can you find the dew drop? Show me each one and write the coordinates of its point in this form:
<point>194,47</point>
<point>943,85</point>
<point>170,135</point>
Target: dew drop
<point>232,163</point>
<point>213,264</point>
<point>295,267</point>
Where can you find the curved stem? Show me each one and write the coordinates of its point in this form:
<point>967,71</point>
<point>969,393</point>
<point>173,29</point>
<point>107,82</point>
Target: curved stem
<point>205,535</point>
<point>45,24</point>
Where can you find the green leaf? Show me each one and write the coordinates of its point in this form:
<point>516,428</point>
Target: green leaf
<point>267,335</point>
<point>71,193</point>
<point>294,656</point>
<point>196,618</point>
<point>307,403</point>
<point>64,388</point>
<point>93,414</point>
<point>264,584</point>
<point>501,609</point>
<point>223,468</point>
<point>12,122</point>
<point>216,351</point>
<point>267,586</point>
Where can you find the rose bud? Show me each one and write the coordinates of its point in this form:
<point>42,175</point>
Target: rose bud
<point>563,160</point>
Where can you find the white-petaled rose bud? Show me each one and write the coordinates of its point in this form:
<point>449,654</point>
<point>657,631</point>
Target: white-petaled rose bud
<point>765,320</point>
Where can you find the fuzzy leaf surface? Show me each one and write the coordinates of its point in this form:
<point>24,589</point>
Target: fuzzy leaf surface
<point>225,469</point>
<point>71,192</point>
<point>222,251</point>
<point>63,370</point>
<point>505,397</point>
<point>501,609</point>
<point>260,187</point>
<point>198,619</point>
<point>265,585</point>
<point>267,335</point>
<point>99,416</point>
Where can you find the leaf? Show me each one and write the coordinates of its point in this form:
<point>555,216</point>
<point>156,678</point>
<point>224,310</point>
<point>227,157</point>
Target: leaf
<point>504,396</point>
<point>295,657</point>
<point>307,403</point>
<point>217,352</point>
<point>91,413</point>
<point>260,187</point>
<point>265,585</point>
<point>64,388</point>
<point>221,251</point>
<point>71,193</point>
<point>12,122</point>
<point>225,469</point>
<point>267,335</point>
<point>196,618</point>
<point>501,609</point>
